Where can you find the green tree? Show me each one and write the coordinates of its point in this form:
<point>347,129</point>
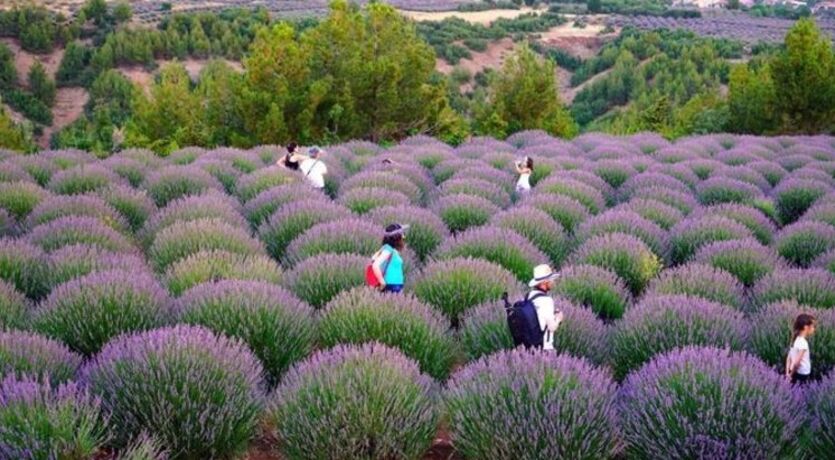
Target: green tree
<point>219,90</point>
<point>198,42</point>
<point>112,92</point>
<point>524,95</point>
<point>751,100</point>
<point>8,72</point>
<point>804,74</point>
<point>12,136</point>
<point>168,118</point>
<point>73,68</point>
<point>41,86</point>
<point>122,12</point>
<point>96,10</point>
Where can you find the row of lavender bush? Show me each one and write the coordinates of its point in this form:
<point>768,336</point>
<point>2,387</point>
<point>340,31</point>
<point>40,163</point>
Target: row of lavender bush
<point>712,241</point>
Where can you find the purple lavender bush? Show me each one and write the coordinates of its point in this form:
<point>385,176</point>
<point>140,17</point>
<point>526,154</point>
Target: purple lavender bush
<point>498,245</point>
<point>812,287</point>
<point>275,324</point>
<point>71,230</point>
<point>821,429</point>
<point>181,240</point>
<point>747,259</point>
<point>709,403</point>
<point>484,331</point>
<point>59,206</point>
<point>461,212</point>
<point>26,354</point>
<point>167,184</point>
<point>595,288</point>
<point>567,212</point>
<point>802,242</point>
<point>456,285</point>
<point>663,215</point>
<point>320,278</point>
<point>537,227</point>
<point>249,186</point>
<point>661,323</point>
<point>823,211</point>
<point>133,171</point>
<point>8,225</point>
<point>87,312</point>
<point>293,219</point>
<point>771,171</point>
<point>614,172</point>
<point>82,179</point>
<point>626,222</point>
<point>42,421</point>
<point>198,393</point>
<point>216,265</point>
<point>717,190</point>
<point>259,209</point>
<point>689,235</point>
<point>209,205</point>
<point>624,255</point>
<point>14,307</point>
<point>24,265</point>
<point>78,260</point>
<point>20,198</point>
<point>587,195</point>
<point>826,261</point>
<point>364,315</point>
<point>362,200</point>
<point>699,280</point>
<point>346,236</point>
<point>426,231</point>
<point>770,336</point>
<point>371,403</point>
<point>683,201</point>
<point>385,180</point>
<point>794,196</point>
<point>134,205</point>
<point>476,187</point>
<point>568,408</point>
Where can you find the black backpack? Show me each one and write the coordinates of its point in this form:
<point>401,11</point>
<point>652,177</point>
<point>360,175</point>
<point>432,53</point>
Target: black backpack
<point>523,322</point>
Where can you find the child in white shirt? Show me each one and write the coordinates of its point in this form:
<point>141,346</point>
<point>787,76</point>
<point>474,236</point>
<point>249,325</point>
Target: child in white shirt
<point>799,362</point>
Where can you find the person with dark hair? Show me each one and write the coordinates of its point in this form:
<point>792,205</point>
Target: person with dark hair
<point>291,160</point>
<point>387,263</point>
<point>799,362</point>
<point>525,169</point>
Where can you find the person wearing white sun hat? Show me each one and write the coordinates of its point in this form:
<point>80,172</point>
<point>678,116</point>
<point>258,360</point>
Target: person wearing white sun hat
<point>547,314</point>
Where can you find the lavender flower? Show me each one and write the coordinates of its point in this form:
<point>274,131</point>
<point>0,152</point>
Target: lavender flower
<point>214,265</point>
<point>826,261</point>
<point>209,205</point>
<point>802,242</point>
<point>821,407</point>
<point>460,212</point>
<point>746,259</point>
<point>566,211</point>
<point>756,221</point>
<point>252,184</point>
<point>589,196</point>
<point>24,265</point>
<point>27,354</point>
<point>626,222</point>
<point>78,260</point>
<point>362,200</point>
<point>293,219</point>
<point>70,230</point>
<point>811,287</point>
<point>538,228</point>
<point>720,189</point>
<point>348,236</point>
<point>133,171</point>
<point>181,240</point>
<point>82,179</point>
<point>133,205</point>
<point>59,206</point>
<point>625,255</point>
<point>172,182</point>
<point>689,235</point>
<point>385,180</point>
<point>320,278</point>
<point>259,209</point>
<point>700,280</point>
<point>771,171</point>
<point>20,198</point>
<point>771,335</point>
<point>684,202</point>
<point>794,196</point>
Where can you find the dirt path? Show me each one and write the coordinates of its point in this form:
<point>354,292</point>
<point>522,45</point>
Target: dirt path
<point>69,105</point>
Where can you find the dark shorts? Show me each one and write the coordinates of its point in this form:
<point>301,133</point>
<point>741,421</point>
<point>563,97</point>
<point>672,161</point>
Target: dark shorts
<point>393,288</point>
<point>800,379</point>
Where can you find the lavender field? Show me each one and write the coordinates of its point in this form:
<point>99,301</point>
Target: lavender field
<point>196,305</point>
<point>734,26</point>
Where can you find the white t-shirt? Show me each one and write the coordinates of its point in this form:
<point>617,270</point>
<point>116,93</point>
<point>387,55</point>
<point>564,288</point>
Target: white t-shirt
<point>314,170</point>
<point>524,182</point>
<point>801,344</point>
<point>546,314</point>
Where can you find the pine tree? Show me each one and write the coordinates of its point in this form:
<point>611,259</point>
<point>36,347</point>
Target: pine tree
<point>122,12</point>
<point>751,100</point>
<point>71,70</point>
<point>8,72</point>
<point>41,86</point>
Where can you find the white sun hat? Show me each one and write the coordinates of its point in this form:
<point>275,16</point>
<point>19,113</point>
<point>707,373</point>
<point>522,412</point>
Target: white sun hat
<point>542,273</point>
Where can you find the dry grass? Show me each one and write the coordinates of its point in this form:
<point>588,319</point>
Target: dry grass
<point>475,17</point>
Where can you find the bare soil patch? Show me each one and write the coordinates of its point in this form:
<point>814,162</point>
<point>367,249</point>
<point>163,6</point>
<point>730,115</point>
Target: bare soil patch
<point>24,59</point>
<point>475,17</point>
<point>69,106</point>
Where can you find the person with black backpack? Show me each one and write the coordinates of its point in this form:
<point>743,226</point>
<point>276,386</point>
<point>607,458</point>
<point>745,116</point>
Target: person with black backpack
<point>534,319</point>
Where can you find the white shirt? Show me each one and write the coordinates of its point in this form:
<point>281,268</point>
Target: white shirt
<point>314,170</point>
<point>524,182</point>
<point>801,344</point>
<point>547,315</point>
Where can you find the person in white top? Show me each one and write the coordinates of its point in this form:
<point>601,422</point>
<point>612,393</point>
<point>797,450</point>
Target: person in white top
<point>549,317</point>
<point>314,169</point>
<point>524,168</point>
<point>799,362</point>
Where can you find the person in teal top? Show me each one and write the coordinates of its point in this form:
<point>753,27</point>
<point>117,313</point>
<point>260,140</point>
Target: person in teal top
<point>388,263</point>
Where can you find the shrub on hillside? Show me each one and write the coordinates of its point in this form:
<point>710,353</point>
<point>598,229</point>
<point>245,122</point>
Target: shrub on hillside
<point>81,179</point>
<point>344,236</point>
<point>461,212</point>
<point>275,324</point>
<point>699,280</point>
<point>320,278</point>
<point>78,260</point>
<point>426,231</point>
<point>794,196</point>
<point>39,420</point>
<point>498,245</point>
<point>456,285</point>
<point>197,392</point>
<point>803,242</point>
<point>215,265</point>
<point>484,331</point>
<point>20,198</point>
<point>372,403</point>
<point>614,172</point>
<point>770,336</point>
<point>171,182</point>
<point>403,322</point>
<point>624,255</point>
<point>811,287</point>
<point>24,265</point>
<point>59,206</point>
<point>537,227</point>
<point>71,230</point>
<point>567,212</point>
<point>708,402</point>
<point>134,205</point>
<point>568,407</point>
<point>293,219</point>
<point>691,234</point>
<point>87,312</point>
<point>181,240</point>
<point>26,354</point>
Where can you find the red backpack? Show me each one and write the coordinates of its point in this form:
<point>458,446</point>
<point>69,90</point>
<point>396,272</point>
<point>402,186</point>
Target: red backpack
<point>370,278</point>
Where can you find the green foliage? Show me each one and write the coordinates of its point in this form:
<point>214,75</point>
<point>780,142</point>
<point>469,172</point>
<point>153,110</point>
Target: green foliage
<point>8,71</point>
<point>122,12</point>
<point>523,96</point>
<point>12,136</point>
<point>751,100</point>
<point>73,70</point>
<point>41,86</point>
